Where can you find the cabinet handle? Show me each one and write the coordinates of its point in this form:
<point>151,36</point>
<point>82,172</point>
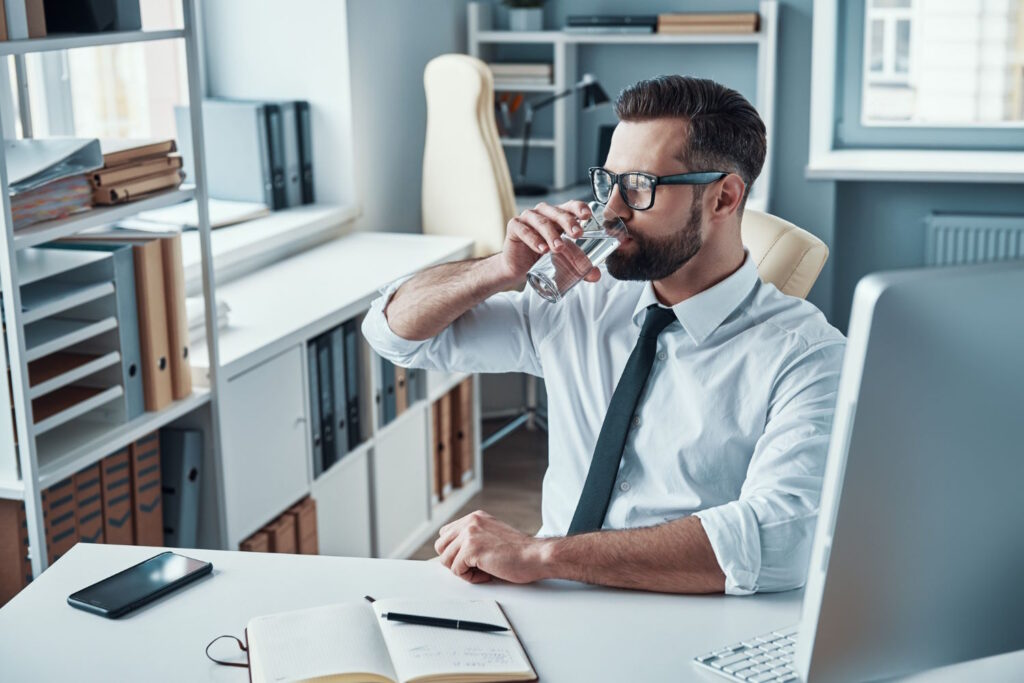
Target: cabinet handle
<point>300,421</point>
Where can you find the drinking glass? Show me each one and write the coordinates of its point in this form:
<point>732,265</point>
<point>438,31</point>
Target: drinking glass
<point>556,273</point>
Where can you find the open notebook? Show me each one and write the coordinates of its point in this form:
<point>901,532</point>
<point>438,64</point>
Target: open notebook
<point>351,642</point>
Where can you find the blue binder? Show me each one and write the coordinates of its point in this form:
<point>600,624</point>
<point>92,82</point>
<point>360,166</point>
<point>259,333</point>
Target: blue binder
<point>341,442</point>
<point>353,390</point>
<point>181,467</point>
<point>316,434</point>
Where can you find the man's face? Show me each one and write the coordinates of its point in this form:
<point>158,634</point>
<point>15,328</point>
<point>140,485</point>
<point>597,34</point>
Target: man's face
<point>667,235</point>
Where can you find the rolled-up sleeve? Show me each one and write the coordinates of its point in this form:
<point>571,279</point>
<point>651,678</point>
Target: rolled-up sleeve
<point>762,541</point>
<point>500,334</point>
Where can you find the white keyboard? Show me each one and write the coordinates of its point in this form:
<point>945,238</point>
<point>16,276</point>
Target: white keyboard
<point>765,659</point>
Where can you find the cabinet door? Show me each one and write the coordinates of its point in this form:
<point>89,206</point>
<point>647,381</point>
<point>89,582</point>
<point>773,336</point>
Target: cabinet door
<point>342,496</point>
<point>263,423</point>
<point>400,482</point>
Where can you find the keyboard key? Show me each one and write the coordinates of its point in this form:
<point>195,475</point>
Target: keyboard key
<point>737,666</point>
<point>763,678</point>
<point>721,662</point>
<point>704,659</point>
<point>787,678</point>
<point>744,673</point>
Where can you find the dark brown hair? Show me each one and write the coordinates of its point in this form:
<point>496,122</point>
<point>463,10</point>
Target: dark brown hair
<point>725,131</point>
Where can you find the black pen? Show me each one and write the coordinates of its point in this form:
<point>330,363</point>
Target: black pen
<point>460,624</point>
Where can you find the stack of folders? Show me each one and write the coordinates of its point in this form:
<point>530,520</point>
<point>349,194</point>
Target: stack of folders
<point>610,23</point>
<point>703,22</point>
<point>258,152</point>
<point>47,177</point>
<point>452,420</point>
<point>133,169</point>
<point>336,388</point>
<point>147,493</point>
<point>399,389</point>
<point>293,531</point>
<point>510,74</point>
<point>158,311</point>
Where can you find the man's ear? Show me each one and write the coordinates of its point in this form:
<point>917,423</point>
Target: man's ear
<point>727,196</point>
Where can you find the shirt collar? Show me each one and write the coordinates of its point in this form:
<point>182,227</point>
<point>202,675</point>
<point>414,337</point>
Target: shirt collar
<point>701,314</point>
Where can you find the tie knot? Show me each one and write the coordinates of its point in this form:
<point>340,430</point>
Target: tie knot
<point>657,319</point>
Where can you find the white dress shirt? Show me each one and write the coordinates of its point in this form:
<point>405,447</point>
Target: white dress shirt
<point>732,426</point>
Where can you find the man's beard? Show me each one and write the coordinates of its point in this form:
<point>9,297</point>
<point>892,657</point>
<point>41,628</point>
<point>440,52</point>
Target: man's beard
<point>655,259</point>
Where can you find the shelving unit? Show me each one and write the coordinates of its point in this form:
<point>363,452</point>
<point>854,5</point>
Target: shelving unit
<point>40,453</point>
<point>483,37</point>
<point>287,277</point>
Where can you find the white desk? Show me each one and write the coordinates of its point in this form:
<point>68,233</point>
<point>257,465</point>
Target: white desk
<point>572,632</point>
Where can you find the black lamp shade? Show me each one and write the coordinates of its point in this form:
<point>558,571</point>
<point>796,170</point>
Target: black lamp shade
<point>594,95</point>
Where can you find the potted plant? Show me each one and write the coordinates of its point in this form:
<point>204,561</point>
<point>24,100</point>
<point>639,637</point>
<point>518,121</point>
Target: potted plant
<point>525,15</point>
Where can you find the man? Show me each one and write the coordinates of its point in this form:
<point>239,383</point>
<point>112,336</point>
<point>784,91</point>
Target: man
<point>689,404</point>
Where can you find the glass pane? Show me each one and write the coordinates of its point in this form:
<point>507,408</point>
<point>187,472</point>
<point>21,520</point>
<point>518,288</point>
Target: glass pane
<point>901,64</point>
<point>877,42</point>
<point>936,63</point>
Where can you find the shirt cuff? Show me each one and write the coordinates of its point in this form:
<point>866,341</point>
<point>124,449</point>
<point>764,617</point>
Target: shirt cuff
<point>736,541</point>
<point>376,328</point>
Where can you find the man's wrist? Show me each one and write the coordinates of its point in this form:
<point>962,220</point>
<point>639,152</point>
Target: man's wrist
<point>543,557</point>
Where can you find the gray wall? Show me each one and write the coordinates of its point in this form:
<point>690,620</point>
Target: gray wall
<point>389,45</point>
<point>868,226</point>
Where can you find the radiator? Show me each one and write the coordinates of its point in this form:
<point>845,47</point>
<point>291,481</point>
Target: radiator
<point>952,239</point>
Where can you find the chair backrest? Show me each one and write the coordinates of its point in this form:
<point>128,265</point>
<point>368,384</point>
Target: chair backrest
<point>786,256</point>
<point>467,188</point>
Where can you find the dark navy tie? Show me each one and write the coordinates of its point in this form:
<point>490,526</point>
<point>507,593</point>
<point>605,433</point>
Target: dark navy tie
<point>597,491</point>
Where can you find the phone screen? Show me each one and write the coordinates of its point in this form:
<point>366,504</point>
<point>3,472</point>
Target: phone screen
<point>134,585</point>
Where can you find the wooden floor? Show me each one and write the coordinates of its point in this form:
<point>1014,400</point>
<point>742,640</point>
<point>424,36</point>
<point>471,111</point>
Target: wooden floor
<point>513,472</point>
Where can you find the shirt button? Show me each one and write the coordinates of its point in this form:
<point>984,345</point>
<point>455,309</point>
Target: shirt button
<point>662,355</point>
<point>636,420</point>
<point>624,486</point>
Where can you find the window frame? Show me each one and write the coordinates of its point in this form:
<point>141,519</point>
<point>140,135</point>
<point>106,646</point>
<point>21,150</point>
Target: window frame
<point>891,153</point>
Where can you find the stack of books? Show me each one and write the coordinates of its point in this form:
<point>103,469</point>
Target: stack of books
<point>726,22</point>
<point>520,73</point>
<point>135,168</point>
<point>610,23</point>
<point>47,178</point>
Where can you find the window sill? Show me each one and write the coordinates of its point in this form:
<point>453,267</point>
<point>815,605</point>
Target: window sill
<point>245,247</point>
<point>906,165</point>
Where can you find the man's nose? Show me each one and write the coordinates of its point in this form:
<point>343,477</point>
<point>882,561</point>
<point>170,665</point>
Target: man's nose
<point>617,206</point>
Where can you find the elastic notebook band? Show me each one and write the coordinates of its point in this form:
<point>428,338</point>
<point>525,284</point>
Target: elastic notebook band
<point>241,647</point>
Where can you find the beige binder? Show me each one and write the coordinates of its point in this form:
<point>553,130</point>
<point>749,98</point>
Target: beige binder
<point>133,189</point>
<point>401,390</point>
<point>177,317</point>
<point>153,333</point>
<point>135,170</point>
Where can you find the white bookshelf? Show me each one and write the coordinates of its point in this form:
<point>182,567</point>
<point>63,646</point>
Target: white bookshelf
<point>483,37</point>
<point>37,454</point>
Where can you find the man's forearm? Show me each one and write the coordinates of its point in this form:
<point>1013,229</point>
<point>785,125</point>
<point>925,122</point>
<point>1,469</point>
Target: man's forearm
<point>675,557</point>
<point>433,299</point>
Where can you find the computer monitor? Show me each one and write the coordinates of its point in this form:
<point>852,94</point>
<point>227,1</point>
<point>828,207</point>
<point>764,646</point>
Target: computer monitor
<point>918,556</point>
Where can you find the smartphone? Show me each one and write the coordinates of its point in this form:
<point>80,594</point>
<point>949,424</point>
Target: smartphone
<point>136,586</point>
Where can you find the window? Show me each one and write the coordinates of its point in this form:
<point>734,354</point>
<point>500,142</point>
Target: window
<point>917,90</point>
<point>935,63</point>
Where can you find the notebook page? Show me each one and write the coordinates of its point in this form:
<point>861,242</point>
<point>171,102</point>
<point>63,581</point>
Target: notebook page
<point>321,641</point>
<point>421,651</point>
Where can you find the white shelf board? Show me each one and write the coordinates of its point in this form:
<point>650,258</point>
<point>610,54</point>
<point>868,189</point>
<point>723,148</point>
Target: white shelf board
<point>81,443</point>
<point>39,264</point>
<point>74,374</point>
<point>48,231</point>
<point>77,410</point>
<point>50,298</point>
<point>236,246</point>
<point>297,298</point>
<point>520,36</point>
<point>534,142</point>
<point>75,41</point>
<point>665,38</point>
<point>523,87</point>
<point>53,334</point>
<point>553,37</point>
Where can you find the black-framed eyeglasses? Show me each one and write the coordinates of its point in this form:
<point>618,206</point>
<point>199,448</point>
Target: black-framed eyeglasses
<point>637,188</point>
